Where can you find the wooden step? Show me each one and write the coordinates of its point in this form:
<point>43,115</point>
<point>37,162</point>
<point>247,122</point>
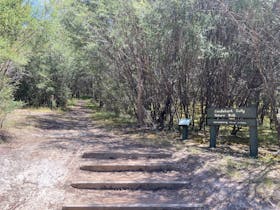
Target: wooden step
<point>117,155</point>
<point>186,195</point>
<point>131,167</point>
<point>132,185</point>
<point>132,176</point>
<point>135,207</point>
<point>124,161</point>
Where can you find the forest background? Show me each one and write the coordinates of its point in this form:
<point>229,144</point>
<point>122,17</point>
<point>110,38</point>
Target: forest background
<point>153,60</point>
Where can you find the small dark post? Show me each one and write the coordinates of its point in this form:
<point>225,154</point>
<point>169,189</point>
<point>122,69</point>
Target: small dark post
<point>253,141</point>
<point>185,132</point>
<point>185,122</point>
<point>213,136</point>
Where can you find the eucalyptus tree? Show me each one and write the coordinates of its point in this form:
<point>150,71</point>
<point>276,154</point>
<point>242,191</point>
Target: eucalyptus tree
<point>16,30</point>
<point>46,76</point>
<point>162,60</point>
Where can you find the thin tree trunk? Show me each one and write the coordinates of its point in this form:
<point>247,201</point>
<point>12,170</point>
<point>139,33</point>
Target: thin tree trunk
<point>140,97</point>
<point>276,118</point>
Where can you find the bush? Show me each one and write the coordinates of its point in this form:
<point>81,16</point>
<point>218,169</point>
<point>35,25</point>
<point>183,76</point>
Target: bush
<point>7,103</point>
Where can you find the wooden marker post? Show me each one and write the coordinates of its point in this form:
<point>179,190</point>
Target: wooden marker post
<point>213,136</point>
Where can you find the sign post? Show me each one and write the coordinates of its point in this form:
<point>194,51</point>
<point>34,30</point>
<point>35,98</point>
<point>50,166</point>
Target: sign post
<point>253,141</point>
<point>234,116</point>
<point>185,122</point>
<point>213,136</point>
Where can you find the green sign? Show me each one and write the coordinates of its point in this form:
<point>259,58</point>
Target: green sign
<point>234,116</point>
<point>249,113</point>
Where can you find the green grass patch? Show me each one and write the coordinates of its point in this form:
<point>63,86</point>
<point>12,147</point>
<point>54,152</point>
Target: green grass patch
<point>92,106</point>
<point>110,119</point>
<point>72,102</point>
<point>86,97</point>
<point>113,119</point>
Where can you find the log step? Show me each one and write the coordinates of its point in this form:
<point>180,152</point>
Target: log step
<point>136,207</point>
<point>130,167</point>
<point>117,155</point>
<point>128,185</point>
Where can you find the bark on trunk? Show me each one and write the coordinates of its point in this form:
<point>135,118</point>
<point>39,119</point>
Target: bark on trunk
<point>140,98</point>
<point>277,125</point>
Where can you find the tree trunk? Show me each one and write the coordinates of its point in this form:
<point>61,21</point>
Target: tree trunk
<point>140,98</point>
<point>276,118</point>
<point>278,131</point>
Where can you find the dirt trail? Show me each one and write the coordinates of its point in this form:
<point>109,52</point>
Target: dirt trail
<point>33,169</point>
<point>38,165</point>
<point>42,158</point>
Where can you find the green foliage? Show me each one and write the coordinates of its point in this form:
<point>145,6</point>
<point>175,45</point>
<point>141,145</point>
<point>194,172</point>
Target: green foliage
<point>184,50</point>
<point>156,61</point>
<point>72,102</point>
<point>7,103</point>
<point>16,28</point>
<point>47,74</point>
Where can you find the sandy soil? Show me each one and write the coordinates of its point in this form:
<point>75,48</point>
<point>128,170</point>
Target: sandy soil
<point>43,156</point>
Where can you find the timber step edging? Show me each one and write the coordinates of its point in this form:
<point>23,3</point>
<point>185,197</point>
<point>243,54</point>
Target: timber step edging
<point>135,207</point>
<point>117,155</point>
<point>132,185</point>
<point>131,167</point>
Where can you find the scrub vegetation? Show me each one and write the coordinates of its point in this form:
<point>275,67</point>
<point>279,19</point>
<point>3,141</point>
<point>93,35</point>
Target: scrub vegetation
<point>141,61</point>
<point>116,76</point>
